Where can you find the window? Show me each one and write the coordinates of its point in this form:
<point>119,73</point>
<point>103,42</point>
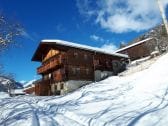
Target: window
<point>74,71</point>
<point>45,77</point>
<point>62,71</point>
<point>97,62</point>
<point>87,71</point>
<point>107,63</point>
<point>78,71</point>
<point>55,87</point>
<point>85,56</point>
<point>48,76</point>
<point>62,86</point>
<point>115,64</point>
<point>75,54</point>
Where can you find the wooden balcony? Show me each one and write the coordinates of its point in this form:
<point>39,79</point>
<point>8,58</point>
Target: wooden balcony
<point>51,64</point>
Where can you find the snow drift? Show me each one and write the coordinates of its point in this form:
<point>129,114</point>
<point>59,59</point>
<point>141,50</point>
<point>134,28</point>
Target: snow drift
<point>140,99</point>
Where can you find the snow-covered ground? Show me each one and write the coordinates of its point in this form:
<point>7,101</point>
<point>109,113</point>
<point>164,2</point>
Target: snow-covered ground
<point>139,99</point>
<point>3,95</point>
<point>139,65</point>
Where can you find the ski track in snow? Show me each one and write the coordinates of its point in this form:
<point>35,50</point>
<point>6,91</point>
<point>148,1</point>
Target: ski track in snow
<point>140,99</point>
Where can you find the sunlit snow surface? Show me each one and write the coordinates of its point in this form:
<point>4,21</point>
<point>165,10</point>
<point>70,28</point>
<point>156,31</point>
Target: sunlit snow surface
<point>140,99</point>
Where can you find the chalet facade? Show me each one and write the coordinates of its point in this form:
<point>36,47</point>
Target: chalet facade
<point>140,49</point>
<point>66,66</point>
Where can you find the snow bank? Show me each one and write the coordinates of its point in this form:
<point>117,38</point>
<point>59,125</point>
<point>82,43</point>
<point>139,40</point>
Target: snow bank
<point>139,65</point>
<point>4,95</point>
<point>140,99</point>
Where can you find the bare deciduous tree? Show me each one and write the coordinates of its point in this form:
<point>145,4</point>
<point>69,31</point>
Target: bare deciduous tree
<point>8,32</point>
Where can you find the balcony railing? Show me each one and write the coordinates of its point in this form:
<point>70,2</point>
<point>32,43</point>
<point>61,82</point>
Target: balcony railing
<point>51,63</point>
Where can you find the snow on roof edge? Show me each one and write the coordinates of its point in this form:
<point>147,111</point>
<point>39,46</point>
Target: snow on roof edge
<point>85,47</point>
<point>134,44</point>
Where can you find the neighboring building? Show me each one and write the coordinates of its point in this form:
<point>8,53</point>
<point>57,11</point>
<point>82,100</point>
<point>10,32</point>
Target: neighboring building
<point>16,92</point>
<point>67,66</point>
<point>30,89</point>
<point>140,49</point>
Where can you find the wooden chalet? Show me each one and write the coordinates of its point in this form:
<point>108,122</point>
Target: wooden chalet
<point>139,49</point>
<point>66,66</point>
<point>30,90</point>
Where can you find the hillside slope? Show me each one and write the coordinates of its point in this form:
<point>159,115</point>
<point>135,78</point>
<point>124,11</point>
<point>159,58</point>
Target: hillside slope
<point>140,99</point>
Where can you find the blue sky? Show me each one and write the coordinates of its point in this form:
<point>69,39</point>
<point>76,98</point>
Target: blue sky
<point>100,23</point>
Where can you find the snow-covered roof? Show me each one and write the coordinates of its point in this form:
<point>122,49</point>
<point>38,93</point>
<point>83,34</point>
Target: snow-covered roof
<point>29,83</point>
<point>84,47</point>
<point>134,44</point>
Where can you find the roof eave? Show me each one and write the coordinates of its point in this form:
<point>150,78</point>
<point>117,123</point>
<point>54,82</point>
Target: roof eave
<point>35,53</point>
<point>84,48</point>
